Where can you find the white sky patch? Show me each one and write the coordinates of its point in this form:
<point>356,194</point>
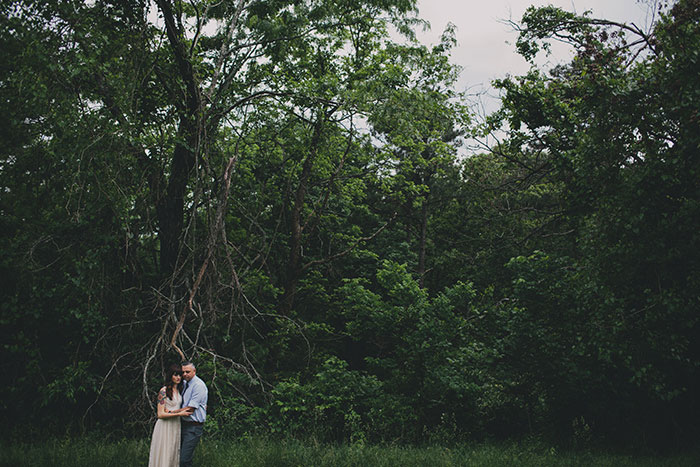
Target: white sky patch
<point>486,46</point>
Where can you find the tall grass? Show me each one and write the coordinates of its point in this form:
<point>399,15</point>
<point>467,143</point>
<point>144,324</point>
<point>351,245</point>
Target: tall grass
<point>253,453</point>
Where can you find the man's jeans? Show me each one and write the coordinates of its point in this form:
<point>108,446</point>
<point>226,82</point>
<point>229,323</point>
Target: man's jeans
<point>189,437</point>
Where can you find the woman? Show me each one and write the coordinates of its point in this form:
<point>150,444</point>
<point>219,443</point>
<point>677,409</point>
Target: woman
<point>165,444</point>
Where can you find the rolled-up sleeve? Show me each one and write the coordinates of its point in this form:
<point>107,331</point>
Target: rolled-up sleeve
<point>198,397</point>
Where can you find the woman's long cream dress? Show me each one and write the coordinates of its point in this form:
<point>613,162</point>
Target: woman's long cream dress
<point>165,443</point>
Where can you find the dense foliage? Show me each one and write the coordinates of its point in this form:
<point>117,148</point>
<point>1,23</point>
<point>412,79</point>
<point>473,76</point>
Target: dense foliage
<point>273,189</point>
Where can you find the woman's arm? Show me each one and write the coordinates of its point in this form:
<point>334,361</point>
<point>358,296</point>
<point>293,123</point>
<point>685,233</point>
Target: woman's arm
<point>163,412</point>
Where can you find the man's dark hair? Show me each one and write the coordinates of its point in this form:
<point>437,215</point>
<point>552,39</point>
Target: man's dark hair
<point>189,364</point>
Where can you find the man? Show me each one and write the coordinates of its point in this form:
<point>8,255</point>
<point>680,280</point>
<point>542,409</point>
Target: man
<point>194,397</point>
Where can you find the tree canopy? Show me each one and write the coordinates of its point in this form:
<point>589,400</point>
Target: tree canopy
<point>278,191</point>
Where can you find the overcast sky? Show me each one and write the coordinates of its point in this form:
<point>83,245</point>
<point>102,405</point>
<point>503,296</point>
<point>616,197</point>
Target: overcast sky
<point>485,46</point>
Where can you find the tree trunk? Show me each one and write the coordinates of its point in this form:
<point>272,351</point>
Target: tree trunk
<point>294,265</point>
<point>170,207</point>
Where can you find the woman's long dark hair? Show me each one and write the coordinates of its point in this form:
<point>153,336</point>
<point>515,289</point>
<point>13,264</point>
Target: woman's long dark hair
<point>173,369</point>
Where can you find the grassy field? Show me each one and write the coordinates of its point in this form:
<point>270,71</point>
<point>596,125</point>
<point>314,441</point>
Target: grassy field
<point>254,453</point>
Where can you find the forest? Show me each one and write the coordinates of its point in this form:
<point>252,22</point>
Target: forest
<point>295,195</point>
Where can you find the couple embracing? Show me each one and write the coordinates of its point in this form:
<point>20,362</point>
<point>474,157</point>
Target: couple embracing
<point>182,409</point>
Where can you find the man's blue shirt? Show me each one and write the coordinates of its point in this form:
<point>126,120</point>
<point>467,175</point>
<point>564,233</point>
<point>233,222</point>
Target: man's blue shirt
<point>196,396</point>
